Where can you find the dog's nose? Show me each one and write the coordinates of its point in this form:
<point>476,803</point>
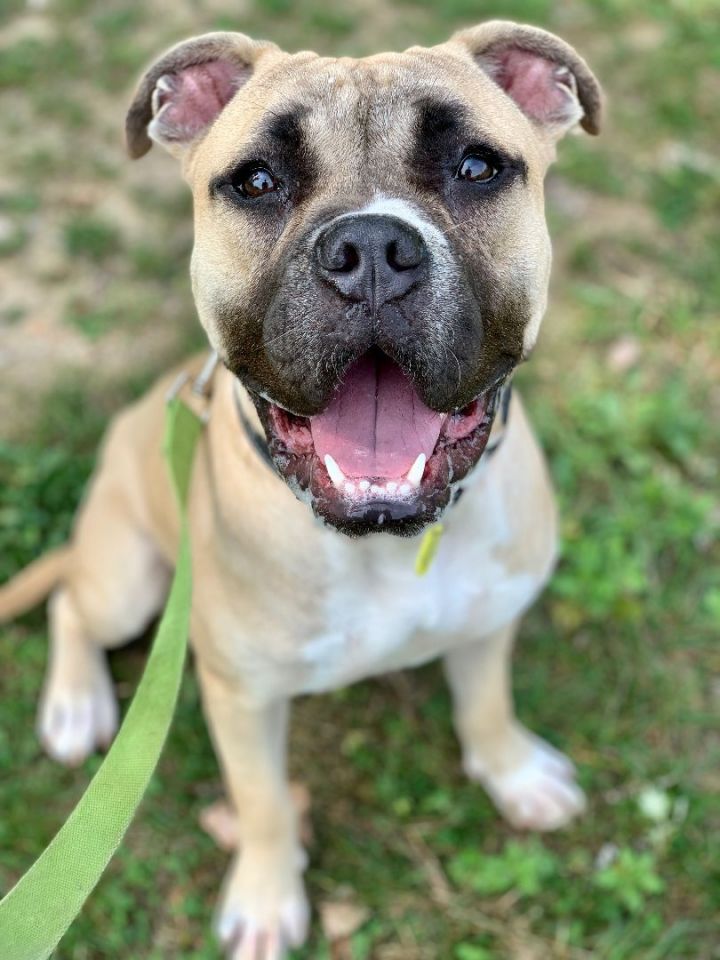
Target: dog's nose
<point>371,258</point>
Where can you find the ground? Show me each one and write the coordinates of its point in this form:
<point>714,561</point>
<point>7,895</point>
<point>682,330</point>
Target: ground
<point>617,664</point>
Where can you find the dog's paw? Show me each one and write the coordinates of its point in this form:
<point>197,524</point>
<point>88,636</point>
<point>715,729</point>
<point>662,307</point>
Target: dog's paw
<point>263,912</point>
<point>539,792</point>
<point>79,713</point>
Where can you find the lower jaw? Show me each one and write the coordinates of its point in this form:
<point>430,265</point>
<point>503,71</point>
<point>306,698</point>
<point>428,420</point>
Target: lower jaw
<point>368,512</point>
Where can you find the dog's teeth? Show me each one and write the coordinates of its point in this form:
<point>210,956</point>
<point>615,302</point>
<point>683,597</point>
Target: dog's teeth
<point>390,488</point>
<point>416,471</point>
<point>334,471</point>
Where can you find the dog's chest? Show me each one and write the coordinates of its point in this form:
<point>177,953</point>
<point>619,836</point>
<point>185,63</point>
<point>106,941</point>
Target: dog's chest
<point>372,616</point>
<point>379,615</point>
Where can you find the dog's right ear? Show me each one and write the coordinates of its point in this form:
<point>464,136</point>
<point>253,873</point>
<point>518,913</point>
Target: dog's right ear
<point>183,92</point>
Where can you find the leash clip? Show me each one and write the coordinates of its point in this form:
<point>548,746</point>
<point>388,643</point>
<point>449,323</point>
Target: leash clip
<point>198,397</point>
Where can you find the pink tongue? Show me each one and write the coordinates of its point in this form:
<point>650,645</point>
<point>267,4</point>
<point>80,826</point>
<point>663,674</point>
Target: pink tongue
<point>376,424</point>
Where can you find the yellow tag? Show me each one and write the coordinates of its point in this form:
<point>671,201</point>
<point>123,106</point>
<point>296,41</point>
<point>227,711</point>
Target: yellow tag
<point>428,548</point>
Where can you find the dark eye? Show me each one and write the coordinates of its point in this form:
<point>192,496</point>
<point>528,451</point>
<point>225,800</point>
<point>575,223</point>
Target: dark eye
<point>476,169</point>
<point>255,182</point>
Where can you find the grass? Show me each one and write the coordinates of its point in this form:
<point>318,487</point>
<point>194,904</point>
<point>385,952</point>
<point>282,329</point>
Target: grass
<point>616,661</point>
<point>88,236</point>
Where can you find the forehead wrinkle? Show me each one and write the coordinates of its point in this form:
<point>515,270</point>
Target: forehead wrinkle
<point>361,108</point>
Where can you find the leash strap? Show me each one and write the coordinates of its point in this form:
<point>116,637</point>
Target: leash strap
<point>38,910</point>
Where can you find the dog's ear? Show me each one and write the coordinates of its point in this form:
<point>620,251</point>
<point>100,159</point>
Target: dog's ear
<point>184,91</point>
<point>546,78</point>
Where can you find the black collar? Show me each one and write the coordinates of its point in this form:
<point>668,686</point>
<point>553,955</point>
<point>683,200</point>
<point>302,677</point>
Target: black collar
<point>505,398</point>
<point>256,438</point>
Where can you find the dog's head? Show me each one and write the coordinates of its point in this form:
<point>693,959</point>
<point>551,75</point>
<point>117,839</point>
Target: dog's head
<point>371,258</point>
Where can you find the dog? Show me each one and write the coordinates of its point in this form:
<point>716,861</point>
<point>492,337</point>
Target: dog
<point>371,263</point>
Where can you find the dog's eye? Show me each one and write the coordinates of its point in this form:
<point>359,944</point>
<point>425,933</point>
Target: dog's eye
<point>255,182</point>
<point>476,169</point>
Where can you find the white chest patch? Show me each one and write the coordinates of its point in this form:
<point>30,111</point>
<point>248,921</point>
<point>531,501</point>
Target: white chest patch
<point>381,616</point>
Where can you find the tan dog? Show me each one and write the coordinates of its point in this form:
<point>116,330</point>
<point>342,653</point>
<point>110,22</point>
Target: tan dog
<point>371,262</point>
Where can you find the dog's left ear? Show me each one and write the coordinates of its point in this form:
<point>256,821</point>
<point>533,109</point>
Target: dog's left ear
<point>547,79</point>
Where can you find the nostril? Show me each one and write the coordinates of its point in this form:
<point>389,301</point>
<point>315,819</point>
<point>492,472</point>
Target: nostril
<point>340,256</point>
<point>405,255</point>
<point>348,260</point>
<point>392,257</point>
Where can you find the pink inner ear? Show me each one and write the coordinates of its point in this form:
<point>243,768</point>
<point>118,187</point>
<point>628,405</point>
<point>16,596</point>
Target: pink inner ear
<point>542,89</point>
<point>187,102</point>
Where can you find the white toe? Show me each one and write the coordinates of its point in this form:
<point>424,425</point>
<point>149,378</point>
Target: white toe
<point>540,793</point>
<point>296,921</point>
<point>260,920</point>
<point>76,719</point>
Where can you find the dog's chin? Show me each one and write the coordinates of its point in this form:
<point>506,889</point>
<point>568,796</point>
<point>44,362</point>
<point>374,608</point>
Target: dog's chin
<point>381,489</point>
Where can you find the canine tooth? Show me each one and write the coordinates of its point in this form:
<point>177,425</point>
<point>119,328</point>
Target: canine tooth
<point>391,487</point>
<point>336,474</point>
<point>416,471</point>
<point>404,489</point>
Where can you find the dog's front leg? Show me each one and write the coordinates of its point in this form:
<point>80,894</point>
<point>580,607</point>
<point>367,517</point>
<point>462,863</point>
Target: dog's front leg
<point>531,783</point>
<point>263,908</point>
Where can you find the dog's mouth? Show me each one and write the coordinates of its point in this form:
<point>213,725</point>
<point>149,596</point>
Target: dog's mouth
<point>377,458</point>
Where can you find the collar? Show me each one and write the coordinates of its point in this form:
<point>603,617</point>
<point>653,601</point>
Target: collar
<point>256,439</point>
<point>504,404</point>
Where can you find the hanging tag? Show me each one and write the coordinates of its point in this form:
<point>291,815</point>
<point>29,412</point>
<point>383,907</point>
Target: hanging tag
<point>428,548</point>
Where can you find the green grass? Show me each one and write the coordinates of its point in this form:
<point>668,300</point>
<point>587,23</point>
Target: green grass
<point>615,664</point>
<point>89,236</point>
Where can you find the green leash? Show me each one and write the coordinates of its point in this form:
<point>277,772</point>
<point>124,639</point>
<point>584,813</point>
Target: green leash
<point>38,910</point>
